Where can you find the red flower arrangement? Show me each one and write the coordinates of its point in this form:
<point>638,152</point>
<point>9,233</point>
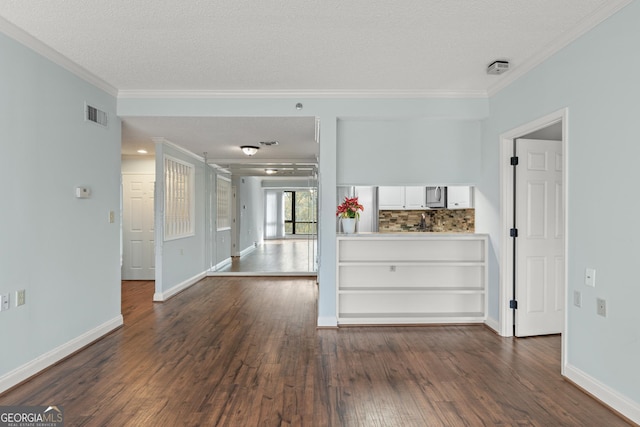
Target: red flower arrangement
<point>349,208</point>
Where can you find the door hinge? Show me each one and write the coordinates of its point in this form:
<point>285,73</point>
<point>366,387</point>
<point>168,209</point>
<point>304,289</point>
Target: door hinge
<point>514,161</point>
<point>513,304</point>
<point>513,232</point>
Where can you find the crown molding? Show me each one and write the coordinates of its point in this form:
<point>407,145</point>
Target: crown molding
<point>164,141</point>
<point>587,24</point>
<point>328,94</point>
<point>26,39</point>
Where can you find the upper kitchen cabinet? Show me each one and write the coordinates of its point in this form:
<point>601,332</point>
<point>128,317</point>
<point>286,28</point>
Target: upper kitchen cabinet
<point>391,198</point>
<point>415,197</point>
<point>399,197</point>
<point>459,197</point>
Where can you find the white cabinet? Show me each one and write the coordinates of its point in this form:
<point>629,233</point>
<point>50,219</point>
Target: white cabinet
<point>391,198</point>
<point>430,278</point>
<point>459,197</point>
<point>399,197</point>
<point>415,197</point>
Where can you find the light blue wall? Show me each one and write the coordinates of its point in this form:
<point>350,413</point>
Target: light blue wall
<point>408,152</point>
<point>597,79</point>
<point>250,209</point>
<point>61,250</point>
<point>182,259</point>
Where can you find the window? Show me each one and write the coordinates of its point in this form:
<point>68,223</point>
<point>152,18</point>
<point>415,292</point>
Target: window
<point>223,198</point>
<point>300,212</point>
<point>179,196</point>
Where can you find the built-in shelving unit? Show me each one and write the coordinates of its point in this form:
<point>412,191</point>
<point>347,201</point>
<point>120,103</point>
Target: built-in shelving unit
<point>411,279</point>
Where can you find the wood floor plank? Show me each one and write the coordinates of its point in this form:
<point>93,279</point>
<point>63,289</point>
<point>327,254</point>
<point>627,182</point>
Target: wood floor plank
<point>238,351</point>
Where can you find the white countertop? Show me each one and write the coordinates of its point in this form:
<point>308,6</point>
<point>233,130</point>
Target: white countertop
<point>413,235</point>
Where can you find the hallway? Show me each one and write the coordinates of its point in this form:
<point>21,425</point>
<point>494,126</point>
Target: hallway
<point>291,256</point>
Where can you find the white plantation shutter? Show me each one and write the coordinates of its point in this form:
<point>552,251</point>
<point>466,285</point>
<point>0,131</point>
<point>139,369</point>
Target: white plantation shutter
<point>179,198</point>
<point>223,198</point>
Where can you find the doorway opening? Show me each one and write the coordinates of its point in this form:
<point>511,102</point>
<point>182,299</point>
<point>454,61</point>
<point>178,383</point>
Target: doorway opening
<point>552,126</point>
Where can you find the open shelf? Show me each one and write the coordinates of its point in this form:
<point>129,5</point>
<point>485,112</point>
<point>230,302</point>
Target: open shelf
<point>423,279</point>
<point>411,289</point>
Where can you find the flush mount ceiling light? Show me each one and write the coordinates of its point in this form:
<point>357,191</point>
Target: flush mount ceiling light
<point>249,150</point>
<point>271,171</point>
<point>142,151</point>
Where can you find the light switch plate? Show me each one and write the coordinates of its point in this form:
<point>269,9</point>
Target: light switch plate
<point>590,277</point>
<point>577,298</point>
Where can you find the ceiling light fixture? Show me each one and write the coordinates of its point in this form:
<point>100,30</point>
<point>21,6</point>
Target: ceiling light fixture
<point>271,171</point>
<point>249,150</point>
<point>142,151</point>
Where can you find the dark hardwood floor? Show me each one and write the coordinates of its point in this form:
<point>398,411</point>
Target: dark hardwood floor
<point>238,351</point>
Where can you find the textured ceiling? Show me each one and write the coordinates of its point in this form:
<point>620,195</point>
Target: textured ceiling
<point>221,138</point>
<point>278,47</point>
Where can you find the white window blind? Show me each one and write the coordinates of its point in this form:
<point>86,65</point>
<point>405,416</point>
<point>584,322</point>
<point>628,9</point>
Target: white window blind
<point>179,195</point>
<point>223,198</point>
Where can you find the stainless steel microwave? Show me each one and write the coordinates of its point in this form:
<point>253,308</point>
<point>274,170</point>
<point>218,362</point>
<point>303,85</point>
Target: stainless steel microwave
<point>437,197</point>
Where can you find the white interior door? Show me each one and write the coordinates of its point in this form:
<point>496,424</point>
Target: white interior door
<point>540,287</point>
<point>138,250</point>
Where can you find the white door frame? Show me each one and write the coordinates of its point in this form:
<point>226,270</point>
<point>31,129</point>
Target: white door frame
<point>506,216</point>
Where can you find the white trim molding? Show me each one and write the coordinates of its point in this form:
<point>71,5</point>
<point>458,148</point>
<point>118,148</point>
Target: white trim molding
<point>248,250</point>
<point>300,93</point>
<point>165,295</point>
<point>54,56</point>
<point>493,324</point>
<point>618,402</point>
<point>506,202</point>
<point>605,11</point>
<point>327,322</point>
<point>165,141</point>
<point>26,371</point>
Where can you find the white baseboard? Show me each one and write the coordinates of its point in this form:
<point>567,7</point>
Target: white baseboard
<point>247,250</point>
<point>29,369</point>
<point>219,266</point>
<point>163,296</point>
<point>604,393</point>
<point>493,324</point>
<point>327,322</point>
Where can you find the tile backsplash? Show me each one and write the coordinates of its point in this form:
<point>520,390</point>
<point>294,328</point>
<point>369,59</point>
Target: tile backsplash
<point>436,220</point>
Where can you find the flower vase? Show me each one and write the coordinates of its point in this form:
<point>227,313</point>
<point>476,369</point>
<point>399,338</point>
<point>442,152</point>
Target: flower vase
<point>349,225</point>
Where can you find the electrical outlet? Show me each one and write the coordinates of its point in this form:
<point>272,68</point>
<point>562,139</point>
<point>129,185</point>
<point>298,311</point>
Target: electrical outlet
<point>577,298</point>
<point>601,307</point>
<point>590,277</point>
<point>5,302</point>
<point>20,297</point>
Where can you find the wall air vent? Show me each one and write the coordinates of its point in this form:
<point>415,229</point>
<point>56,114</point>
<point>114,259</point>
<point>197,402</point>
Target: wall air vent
<point>95,115</point>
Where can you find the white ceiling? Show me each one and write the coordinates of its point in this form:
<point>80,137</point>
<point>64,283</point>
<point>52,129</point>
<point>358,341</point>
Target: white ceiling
<point>221,138</point>
<point>277,47</point>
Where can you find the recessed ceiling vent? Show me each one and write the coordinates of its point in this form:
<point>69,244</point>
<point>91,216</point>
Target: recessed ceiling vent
<point>498,67</point>
<point>268,143</point>
<point>95,115</point>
